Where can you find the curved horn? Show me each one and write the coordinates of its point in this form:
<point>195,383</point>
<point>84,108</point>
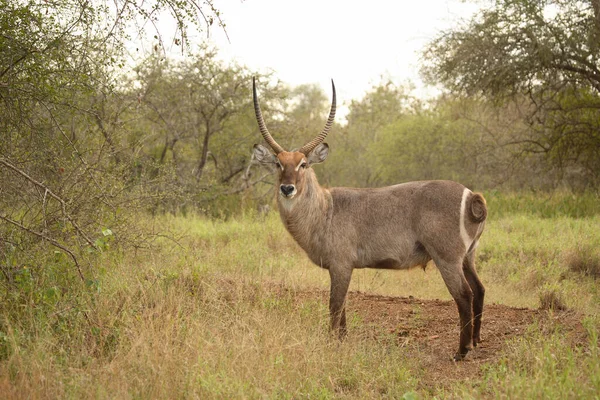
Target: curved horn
<point>310,146</point>
<point>261,122</point>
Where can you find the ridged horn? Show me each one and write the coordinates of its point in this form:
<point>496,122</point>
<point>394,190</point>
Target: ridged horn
<point>261,122</point>
<point>310,146</point>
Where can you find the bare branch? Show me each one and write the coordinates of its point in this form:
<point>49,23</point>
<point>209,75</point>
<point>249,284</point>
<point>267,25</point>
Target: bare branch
<point>49,239</point>
<point>53,195</point>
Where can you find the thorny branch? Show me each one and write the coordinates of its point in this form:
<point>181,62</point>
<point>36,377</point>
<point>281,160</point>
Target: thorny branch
<point>49,239</point>
<point>56,197</point>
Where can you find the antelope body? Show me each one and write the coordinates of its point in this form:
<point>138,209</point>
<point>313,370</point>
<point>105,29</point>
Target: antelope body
<point>395,227</point>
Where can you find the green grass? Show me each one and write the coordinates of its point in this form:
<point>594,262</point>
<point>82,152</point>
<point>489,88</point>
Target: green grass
<point>543,365</point>
<point>542,204</point>
<point>207,312</point>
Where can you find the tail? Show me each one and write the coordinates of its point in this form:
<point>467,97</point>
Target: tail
<point>477,208</point>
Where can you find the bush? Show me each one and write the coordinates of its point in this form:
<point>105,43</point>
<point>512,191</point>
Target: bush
<point>583,260</point>
<point>551,298</point>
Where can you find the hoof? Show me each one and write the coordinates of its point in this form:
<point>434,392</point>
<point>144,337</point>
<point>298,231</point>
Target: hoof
<point>339,333</point>
<point>461,354</point>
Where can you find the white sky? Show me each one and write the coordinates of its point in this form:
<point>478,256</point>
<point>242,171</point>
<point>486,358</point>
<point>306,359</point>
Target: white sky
<point>353,42</point>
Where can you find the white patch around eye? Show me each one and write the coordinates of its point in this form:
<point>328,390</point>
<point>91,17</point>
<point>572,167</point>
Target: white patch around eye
<point>300,164</point>
<point>279,164</point>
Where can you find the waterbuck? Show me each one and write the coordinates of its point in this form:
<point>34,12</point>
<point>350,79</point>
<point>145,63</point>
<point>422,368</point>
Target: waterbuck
<point>394,227</point>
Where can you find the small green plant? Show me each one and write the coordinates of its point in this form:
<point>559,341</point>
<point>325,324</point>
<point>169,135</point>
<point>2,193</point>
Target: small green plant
<point>103,242</point>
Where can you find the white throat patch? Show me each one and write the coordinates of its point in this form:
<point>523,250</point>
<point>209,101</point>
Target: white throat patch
<point>287,203</point>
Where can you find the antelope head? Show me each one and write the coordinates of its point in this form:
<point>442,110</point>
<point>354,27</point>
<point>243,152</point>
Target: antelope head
<point>292,165</point>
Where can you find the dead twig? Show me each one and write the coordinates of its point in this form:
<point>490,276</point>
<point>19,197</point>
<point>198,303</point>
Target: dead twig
<point>56,197</point>
<point>49,239</point>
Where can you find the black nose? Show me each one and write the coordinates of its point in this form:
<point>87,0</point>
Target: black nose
<point>287,189</point>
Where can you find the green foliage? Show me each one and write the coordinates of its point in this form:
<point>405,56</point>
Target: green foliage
<point>423,147</point>
<point>103,242</point>
<point>304,117</point>
<point>351,162</point>
<point>391,137</point>
<point>542,204</point>
<point>517,45</point>
<point>545,55</point>
<point>68,165</point>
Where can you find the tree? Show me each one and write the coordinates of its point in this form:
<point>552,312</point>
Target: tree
<point>64,170</point>
<point>198,125</point>
<point>192,101</point>
<point>547,52</point>
<point>352,163</point>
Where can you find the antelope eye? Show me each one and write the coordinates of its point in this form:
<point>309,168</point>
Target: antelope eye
<point>303,165</point>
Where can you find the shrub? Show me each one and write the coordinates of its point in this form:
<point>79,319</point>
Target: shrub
<point>551,298</point>
<point>584,260</point>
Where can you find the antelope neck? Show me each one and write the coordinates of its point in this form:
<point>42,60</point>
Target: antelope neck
<point>308,214</point>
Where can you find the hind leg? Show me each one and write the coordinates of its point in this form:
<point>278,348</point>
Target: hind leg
<point>478,294</point>
<point>459,288</point>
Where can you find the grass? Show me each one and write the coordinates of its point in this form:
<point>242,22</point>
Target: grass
<point>208,313</point>
<point>544,205</point>
<point>541,365</point>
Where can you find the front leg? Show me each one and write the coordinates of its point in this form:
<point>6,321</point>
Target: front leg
<point>340,281</point>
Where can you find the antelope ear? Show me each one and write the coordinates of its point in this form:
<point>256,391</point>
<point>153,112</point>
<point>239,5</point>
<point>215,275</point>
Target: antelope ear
<point>319,154</point>
<point>263,155</point>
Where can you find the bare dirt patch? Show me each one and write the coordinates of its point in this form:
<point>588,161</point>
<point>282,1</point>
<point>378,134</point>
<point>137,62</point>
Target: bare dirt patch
<point>428,329</point>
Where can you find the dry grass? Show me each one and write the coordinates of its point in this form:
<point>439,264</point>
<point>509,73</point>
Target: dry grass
<point>584,260</point>
<point>206,336</point>
<point>201,321</point>
<point>201,318</point>
<point>552,299</point>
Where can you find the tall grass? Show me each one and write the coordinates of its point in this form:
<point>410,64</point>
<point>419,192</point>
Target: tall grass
<point>202,321</point>
<point>543,365</point>
<point>543,204</point>
<point>209,312</point>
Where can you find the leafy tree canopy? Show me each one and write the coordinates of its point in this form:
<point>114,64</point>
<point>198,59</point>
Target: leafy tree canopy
<point>544,53</point>
<point>520,45</point>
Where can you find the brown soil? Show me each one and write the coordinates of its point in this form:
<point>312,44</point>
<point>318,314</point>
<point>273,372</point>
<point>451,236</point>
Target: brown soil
<point>429,330</point>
